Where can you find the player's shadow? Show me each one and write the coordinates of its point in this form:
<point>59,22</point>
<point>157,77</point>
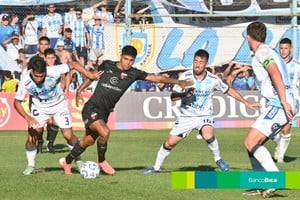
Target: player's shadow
<point>288,159</point>
<point>198,168</point>
<point>130,168</point>
<point>61,148</point>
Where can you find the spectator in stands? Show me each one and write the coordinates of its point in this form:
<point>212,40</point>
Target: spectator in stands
<point>148,86</point>
<point>236,79</point>
<point>250,76</point>
<point>119,12</point>
<point>6,31</point>
<point>81,37</point>
<point>97,46</point>
<point>70,17</point>
<point>52,25</point>
<point>140,11</point>
<point>67,43</point>
<point>106,16</point>
<point>74,84</point>
<point>14,23</point>
<point>10,84</point>
<point>118,20</point>
<point>30,34</point>
<point>12,47</point>
<point>22,60</point>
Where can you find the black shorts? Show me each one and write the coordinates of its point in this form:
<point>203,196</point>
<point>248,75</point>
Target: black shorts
<point>81,52</point>
<point>91,113</point>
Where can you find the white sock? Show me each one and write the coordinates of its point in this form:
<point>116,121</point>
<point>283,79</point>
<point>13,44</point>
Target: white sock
<point>265,159</point>
<point>160,157</point>
<point>214,147</point>
<point>30,154</point>
<point>276,138</point>
<point>283,144</point>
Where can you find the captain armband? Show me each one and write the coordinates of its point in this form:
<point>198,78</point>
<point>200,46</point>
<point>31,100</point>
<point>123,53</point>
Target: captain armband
<point>267,62</point>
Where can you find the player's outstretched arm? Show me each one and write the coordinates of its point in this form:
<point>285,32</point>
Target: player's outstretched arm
<point>85,72</point>
<point>235,94</point>
<point>164,79</point>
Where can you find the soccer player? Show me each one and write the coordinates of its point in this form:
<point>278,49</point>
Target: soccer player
<point>114,82</point>
<point>274,85</point>
<point>196,111</point>
<point>293,69</point>
<point>48,101</point>
<point>52,129</point>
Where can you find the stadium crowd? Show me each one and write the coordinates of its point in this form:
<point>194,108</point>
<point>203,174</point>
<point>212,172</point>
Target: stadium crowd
<point>80,31</point>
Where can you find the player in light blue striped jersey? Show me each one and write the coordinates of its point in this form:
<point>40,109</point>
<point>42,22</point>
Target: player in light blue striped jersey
<point>293,69</point>
<point>196,111</point>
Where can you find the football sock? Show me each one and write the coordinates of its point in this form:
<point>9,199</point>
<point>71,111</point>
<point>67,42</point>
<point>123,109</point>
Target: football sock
<point>162,154</point>
<point>71,145</point>
<point>276,138</point>
<point>283,144</point>
<point>30,155</point>
<point>264,157</point>
<point>101,148</point>
<point>213,145</point>
<point>256,166</point>
<point>40,142</point>
<point>75,153</point>
<point>52,131</point>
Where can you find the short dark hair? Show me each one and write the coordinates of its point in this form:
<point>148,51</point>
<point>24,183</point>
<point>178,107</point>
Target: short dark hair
<point>285,41</point>
<point>49,51</point>
<point>129,50</point>
<point>7,74</point>
<point>202,53</point>
<point>37,64</point>
<point>44,38</point>
<point>68,30</point>
<point>78,10</point>
<point>257,31</point>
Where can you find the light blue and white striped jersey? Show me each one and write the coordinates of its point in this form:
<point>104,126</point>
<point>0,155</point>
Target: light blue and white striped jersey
<point>47,94</point>
<point>52,25</point>
<point>201,103</point>
<point>263,55</point>
<point>69,19</point>
<point>293,68</point>
<point>96,36</point>
<point>79,32</point>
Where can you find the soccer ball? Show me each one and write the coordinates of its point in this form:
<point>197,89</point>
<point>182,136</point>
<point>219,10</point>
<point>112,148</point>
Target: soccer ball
<point>90,170</point>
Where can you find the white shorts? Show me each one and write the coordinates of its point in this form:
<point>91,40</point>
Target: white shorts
<point>271,121</point>
<point>96,54</point>
<point>60,112</point>
<point>185,125</point>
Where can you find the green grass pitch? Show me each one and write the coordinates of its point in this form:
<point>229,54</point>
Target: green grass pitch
<point>129,152</point>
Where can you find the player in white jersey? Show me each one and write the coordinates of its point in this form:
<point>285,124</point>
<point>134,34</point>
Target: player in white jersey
<point>48,100</point>
<point>196,111</point>
<point>274,84</point>
<point>293,69</point>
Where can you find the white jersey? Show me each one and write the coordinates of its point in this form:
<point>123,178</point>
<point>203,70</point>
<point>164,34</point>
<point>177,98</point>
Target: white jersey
<point>31,32</point>
<point>201,103</point>
<point>52,25</point>
<point>49,93</point>
<point>265,54</point>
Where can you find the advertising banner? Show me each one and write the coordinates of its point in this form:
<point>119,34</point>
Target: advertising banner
<point>144,110</point>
